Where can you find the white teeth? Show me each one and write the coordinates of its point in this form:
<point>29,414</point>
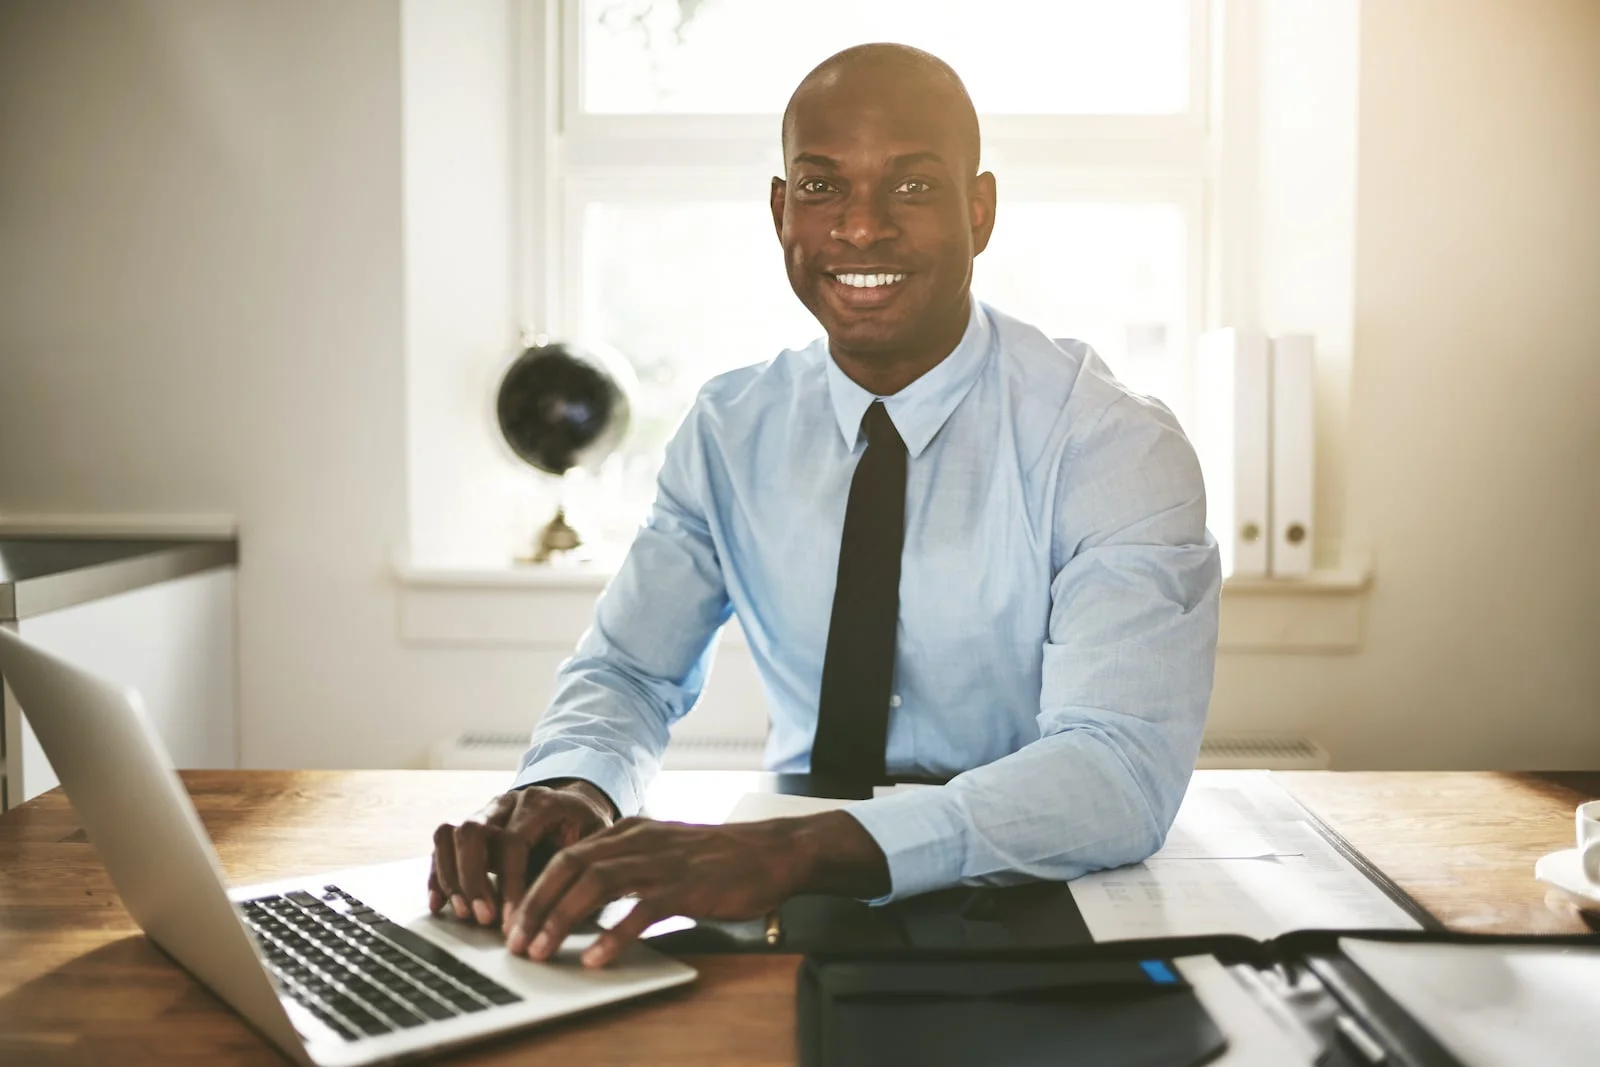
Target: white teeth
<point>869,281</point>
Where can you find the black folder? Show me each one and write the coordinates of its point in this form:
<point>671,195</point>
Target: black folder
<point>1113,1004</point>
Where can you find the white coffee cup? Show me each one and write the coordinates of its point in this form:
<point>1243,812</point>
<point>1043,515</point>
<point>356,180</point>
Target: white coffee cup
<point>1589,840</point>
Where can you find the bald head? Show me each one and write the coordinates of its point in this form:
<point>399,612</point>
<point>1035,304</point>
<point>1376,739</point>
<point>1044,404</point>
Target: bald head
<point>896,77</point>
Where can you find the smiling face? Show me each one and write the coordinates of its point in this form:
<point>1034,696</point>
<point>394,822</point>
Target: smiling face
<point>880,216</point>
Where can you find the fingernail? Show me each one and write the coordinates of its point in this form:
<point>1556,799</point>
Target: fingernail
<point>592,956</point>
<point>435,900</point>
<point>460,905</point>
<point>541,946</point>
<point>517,940</point>
<point>484,911</point>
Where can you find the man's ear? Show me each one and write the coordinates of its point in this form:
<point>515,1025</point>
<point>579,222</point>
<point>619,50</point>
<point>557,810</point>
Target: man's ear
<point>780,191</point>
<point>980,210</point>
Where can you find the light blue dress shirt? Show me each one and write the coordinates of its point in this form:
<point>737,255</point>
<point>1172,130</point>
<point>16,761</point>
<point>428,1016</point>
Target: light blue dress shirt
<point>1058,603</point>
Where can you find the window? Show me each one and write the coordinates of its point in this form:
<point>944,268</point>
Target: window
<point>657,149</point>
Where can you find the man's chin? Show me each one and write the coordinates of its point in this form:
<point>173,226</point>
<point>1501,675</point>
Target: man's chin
<point>869,333</point>
<point>864,342</point>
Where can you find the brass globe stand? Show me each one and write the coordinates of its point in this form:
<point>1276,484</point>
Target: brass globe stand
<point>556,537</point>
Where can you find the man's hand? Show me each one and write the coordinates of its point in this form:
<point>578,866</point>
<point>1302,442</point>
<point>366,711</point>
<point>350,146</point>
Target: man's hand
<point>499,838</point>
<point>734,871</point>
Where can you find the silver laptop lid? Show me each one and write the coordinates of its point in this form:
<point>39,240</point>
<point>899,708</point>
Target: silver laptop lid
<point>139,818</point>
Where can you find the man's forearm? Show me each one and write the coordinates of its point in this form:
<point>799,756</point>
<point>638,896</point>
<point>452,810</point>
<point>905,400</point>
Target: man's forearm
<point>840,857</point>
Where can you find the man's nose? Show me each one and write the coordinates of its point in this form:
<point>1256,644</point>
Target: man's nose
<point>864,222</point>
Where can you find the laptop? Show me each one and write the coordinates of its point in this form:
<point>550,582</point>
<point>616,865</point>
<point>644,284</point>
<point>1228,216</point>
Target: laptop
<point>335,970</point>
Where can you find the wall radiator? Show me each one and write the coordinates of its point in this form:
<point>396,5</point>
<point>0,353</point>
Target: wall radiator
<point>482,750</point>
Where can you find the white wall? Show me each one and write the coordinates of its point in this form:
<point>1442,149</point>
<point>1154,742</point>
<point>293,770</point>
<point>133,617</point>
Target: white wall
<point>459,84</point>
<point>1304,223</point>
<point>1475,409</point>
<point>203,309</point>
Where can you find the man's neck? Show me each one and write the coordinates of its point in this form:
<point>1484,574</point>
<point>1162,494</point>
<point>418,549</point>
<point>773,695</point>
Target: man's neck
<point>885,374</point>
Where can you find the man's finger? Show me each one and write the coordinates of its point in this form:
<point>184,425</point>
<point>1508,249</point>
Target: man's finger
<point>498,811</point>
<point>598,886</point>
<point>472,872</point>
<point>610,943</point>
<point>513,875</point>
<point>528,833</point>
<point>558,876</point>
<point>435,894</point>
<point>444,864</point>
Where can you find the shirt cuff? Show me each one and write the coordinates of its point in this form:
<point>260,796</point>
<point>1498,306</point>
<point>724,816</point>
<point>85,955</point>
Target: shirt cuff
<point>923,835</point>
<point>610,774</point>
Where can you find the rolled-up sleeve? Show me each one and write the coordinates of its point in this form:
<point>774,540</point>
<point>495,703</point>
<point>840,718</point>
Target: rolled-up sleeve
<point>1126,681</point>
<point>641,665</point>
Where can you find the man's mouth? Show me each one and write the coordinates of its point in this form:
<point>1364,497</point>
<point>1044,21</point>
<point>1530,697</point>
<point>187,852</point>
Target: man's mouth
<point>867,281</point>
<point>865,289</point>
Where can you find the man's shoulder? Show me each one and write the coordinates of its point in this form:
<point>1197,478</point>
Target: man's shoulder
<point>752,390</point>
<point>1064,377</point>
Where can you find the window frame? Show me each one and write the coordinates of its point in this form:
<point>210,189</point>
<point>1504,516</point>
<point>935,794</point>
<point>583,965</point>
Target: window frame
<point>584,125</point>
<point>570,158</point>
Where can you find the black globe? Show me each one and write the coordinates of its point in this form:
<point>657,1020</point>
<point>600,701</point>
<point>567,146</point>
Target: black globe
<point>561,406</point>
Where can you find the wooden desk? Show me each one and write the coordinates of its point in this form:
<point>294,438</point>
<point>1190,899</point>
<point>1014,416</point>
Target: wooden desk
<point>80,984</point>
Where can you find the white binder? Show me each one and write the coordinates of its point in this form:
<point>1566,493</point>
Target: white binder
<point>1293,453</point>
<point>1231,438</point>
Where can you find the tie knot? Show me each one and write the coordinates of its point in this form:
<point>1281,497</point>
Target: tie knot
<point>879,428</point>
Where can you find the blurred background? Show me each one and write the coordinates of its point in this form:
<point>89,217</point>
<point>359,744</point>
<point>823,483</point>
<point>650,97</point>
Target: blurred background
<point>261,265</point>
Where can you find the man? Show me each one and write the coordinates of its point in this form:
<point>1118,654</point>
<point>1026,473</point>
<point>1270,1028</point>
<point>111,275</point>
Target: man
<point>956,547</point>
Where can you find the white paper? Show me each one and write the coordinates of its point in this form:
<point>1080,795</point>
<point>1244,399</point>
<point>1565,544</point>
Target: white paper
<point>903,787</point>
<point>753,807</point>
<point>1494,1005</point>
<point>1242,858</point>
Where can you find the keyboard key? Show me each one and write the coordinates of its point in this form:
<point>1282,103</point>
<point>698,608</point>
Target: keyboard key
<point>331,1021</point>
<point>415,944</point>
<point>388,979</point>
<point>364,989</point>
<point>433,1009</point>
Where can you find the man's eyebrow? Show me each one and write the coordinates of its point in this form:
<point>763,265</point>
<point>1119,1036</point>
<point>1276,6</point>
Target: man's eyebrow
<point>816,160</point>
<point>901,162</point>
<point>912,158</point>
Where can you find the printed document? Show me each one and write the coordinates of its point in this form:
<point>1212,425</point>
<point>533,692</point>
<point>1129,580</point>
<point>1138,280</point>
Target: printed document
<point>1242,858</point>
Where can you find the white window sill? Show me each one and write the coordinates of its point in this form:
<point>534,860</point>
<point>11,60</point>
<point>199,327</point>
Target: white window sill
<point>550,606</point>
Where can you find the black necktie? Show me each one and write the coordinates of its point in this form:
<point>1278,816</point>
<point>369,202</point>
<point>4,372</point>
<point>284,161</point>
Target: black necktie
<point>858,668</point>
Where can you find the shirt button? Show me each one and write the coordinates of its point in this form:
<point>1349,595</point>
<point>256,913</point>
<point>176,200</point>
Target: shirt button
<point>894,701</point>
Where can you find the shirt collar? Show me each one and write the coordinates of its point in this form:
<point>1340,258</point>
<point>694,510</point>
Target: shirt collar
<point>921,408</point>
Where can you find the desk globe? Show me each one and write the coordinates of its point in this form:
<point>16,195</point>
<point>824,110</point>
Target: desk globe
<point>561,406</point>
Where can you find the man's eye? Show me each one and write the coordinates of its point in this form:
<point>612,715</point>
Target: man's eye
<point>914,186</point>
<point>813,185</point>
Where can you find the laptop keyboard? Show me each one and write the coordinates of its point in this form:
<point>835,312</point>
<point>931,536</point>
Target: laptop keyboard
<point>359,973</point>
